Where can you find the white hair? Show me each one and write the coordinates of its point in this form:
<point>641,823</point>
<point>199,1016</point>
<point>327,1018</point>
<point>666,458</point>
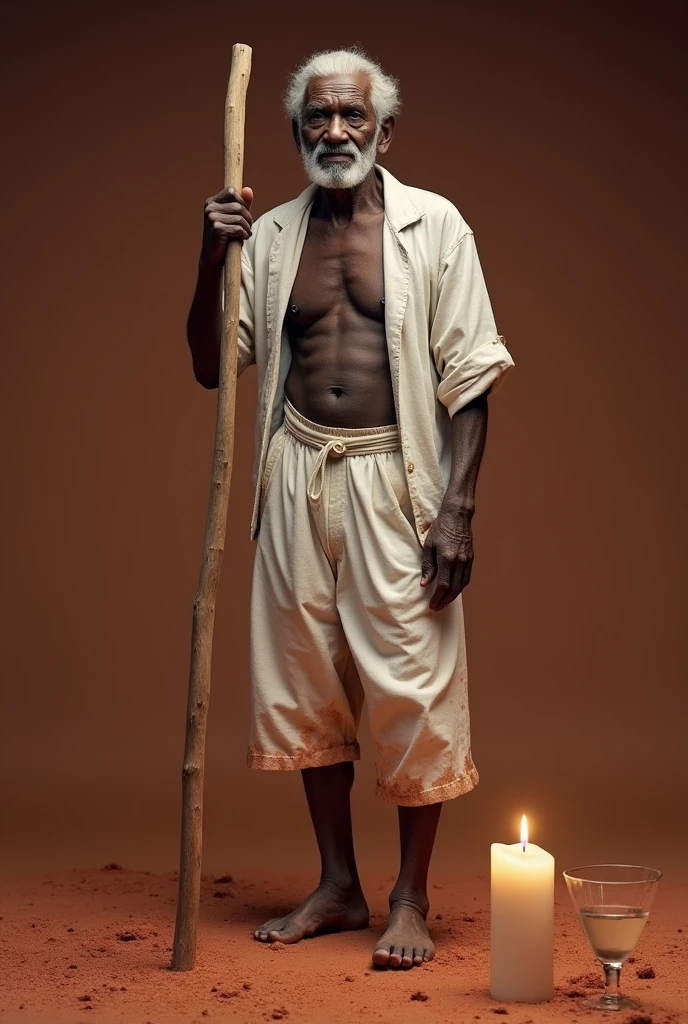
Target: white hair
<point>384,88</point>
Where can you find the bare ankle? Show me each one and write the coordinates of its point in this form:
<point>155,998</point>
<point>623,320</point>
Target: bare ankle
<point>340,883</point>
<point>417,899</point>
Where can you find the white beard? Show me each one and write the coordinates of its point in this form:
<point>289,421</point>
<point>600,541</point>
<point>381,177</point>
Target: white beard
<point>338,175</point>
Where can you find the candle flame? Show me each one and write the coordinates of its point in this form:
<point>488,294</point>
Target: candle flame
<point>524,832</point>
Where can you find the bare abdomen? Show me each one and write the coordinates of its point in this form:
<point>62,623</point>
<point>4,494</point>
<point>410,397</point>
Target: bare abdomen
<point>342,381</point>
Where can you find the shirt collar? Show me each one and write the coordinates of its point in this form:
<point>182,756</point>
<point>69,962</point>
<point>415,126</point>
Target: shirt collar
<point>399,207</point>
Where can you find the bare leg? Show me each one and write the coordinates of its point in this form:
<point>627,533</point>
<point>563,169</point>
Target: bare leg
<point>407,943</point>
<point>338,904</point>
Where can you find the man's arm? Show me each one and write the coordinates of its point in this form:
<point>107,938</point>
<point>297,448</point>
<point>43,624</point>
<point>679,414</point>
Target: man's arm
<point>448,550</point>
<point>226,216</point>
<point>469,432</point>
<point>472,361</point>
<point>469,354</point>
<point>204,325</point>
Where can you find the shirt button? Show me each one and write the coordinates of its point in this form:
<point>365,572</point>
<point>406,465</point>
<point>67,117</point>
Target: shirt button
<point>409,466</point>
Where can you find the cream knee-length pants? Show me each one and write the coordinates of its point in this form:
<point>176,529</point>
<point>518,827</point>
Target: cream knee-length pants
<point>338,615</point>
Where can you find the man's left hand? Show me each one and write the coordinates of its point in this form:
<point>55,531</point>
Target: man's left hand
<point>448,555</point>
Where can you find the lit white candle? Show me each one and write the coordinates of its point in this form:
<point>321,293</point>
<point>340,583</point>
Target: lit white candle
<point>521,922</point>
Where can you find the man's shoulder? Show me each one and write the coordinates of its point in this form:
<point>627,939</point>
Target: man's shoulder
<point>278,216</point>
<point>430,217</point>
<point>268,225</point>
<point>438,209</point>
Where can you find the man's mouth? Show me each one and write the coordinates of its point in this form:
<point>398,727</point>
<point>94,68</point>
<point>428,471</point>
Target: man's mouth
<point>336,156</point>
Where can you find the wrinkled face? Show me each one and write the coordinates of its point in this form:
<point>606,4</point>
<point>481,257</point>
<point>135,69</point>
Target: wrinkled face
<point>338,131</point>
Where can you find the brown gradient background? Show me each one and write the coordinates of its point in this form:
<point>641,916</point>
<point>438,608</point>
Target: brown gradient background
<point>557,130</point>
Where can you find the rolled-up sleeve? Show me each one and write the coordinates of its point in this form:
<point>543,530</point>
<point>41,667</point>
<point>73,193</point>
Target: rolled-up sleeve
<point>246,353</point>
<point>469,353</point>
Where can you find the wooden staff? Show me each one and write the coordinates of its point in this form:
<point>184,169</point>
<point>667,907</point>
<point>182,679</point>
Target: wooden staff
<point>184,947</point>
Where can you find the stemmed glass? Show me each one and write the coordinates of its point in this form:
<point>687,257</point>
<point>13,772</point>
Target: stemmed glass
<point>613,903</point>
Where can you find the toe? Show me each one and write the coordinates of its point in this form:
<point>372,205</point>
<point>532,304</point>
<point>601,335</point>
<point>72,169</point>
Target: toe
<point>394,956</point>
<point>428,954</point>
<point>407,957</point>
<point>417,957</point>
<point>286,935</point>
<point>262,933</point>
<point>381,955</point>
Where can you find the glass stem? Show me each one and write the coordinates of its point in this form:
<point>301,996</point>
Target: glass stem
<point>612,973</point>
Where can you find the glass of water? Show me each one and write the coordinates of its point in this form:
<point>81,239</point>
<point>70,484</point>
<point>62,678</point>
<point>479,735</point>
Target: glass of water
<point>612,902</point>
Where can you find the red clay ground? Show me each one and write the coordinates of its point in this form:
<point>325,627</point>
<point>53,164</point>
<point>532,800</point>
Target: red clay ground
<point>95,946</point>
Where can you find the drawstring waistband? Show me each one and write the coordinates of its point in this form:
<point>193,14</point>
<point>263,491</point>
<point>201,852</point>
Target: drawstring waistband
<point>337,441</point>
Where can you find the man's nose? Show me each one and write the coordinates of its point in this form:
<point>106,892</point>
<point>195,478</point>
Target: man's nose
<point>336,131</point>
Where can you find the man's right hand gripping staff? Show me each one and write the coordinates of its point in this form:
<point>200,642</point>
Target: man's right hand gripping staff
<point>226,216</point>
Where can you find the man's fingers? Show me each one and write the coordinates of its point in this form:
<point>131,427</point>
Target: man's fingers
<point>230,195</point>
<point>445,593</point>
<point>233,209</point>
<point>452,578</point>
<point>230,219</point>
<point>441,599</point>
<point>429,567</point>
<point>443,584</point>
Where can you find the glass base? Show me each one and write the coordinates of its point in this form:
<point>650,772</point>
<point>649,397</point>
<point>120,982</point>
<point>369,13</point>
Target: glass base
<point>610,1004</point>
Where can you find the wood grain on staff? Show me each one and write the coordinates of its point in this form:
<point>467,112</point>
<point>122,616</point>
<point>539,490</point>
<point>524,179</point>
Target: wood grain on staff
<point>188,903</point>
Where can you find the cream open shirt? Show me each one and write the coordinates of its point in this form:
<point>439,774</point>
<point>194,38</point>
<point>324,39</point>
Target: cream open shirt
<point>443,344</point>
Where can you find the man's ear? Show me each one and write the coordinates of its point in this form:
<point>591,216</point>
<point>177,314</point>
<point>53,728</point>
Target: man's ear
<point>295,133</point>
<point>386,133</point>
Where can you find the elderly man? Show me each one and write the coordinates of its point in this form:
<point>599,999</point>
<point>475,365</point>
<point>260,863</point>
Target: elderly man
<point>364,307</point>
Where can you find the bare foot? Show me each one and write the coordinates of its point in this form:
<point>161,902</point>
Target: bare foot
<point>328,909</point>
<point>407,942</point>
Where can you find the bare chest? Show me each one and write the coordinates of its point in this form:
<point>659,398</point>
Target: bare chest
<point>339,269</point>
